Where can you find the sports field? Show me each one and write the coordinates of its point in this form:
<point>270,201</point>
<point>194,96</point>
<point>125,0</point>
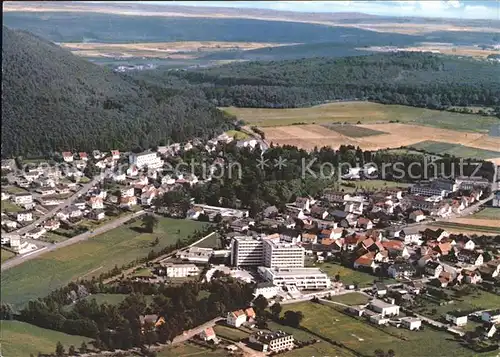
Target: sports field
<point>330,324</point>
<point>20,339</point>
<point>492,213</point>
<point>363,113</point>
<point>37,277</point>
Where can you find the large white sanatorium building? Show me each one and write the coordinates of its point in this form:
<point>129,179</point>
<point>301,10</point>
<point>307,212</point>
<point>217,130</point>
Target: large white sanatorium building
<point>302,278</point>
<point>283,255</point>
<point>247,251</point>
<point>149,159</point>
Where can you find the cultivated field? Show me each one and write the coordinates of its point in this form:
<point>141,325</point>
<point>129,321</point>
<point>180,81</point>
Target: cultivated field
<point>328,323</point>
<point>363,113</point>
<point>22,339</point>
<point>310,136</point>
<point>92,257</point>
<point>171,50</point>
<point>462,228</point>
<point>437,147</point>
<point>353,131</point>
<point>488,217</point>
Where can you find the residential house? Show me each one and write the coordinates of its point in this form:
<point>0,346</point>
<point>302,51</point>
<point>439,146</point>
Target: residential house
<point>401,270</point>
<point>471,276</point>
<point>115,154</point>
<point>396,248</point>
<point>490,330</point>
<point>96,202</point>
<point>24,216</point>
<point>128,202</point>
<point>303,203</point>
<point>132,171</point>
<point>335,196</point>
<point>335,233</point>
<point>437,235</point>
<point>319,212</point>
<point>309,238</point>
<point>384,308</point>
<point>67,156</point>
<point>366,261</point>
<point>36,233</point>
<point>208,334</point>
<point>354,207</point>
<point>23,198</point>
<point>379,289</point>
<point>458,318</point>
<point>466,243</point>
<point>51,225</point>
<point>492,316</point>
<point>97,154</point>
<point>364,223</point>
<point>127,191</point>
<point>470,257</point>
<point>411,323</point>
<point>443,248</point>
<point>491,269</point>
<point>97,214</point>
<point>433,268</point>
<point>119,177</point>
<point>236,318</point>
<point>417,216</point>
<point>5,196</point>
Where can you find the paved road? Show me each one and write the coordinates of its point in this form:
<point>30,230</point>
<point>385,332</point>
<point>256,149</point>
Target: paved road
<point>83,190</point>
<point>79,238</point>
<point>193,332</point>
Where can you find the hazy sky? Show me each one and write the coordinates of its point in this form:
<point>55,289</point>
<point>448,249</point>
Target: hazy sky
<point>453,8</point>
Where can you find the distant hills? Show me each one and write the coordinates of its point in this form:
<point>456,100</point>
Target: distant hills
<point>53,100</point>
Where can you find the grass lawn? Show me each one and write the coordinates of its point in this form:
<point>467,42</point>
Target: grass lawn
<point>142,272</point>
<point>237,135</point>
<point>488,213</point>
<point>14,189</point>
<point>53,237</point>
<point>88,258</point>
<point>364,112</point>
<point>22,339</point>
<point>480,300</point>
<point>7,206</point>
<point>112,299</point>
<point>230,333</point>
<point>329,323</point>
<point>353,131</point>
<point>349,276</point>
<point>188,350</point>
<point>211,242</point>
<point>351,299</point>
<point>437,147</point>
<point>5,254</point>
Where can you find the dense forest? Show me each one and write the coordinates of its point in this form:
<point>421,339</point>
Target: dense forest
<point>54,101</point>
<point>416,79</point>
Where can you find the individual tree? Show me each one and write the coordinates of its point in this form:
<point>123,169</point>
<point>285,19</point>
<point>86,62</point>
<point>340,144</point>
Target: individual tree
<point>276,310</point>
<point>59,349</point>
<point>391,353</point>
<point>293,318</point>
<point>91,170</point>
<point>260,304</point>
<point>83,347</point>
<point>72,350</point>
<point>379,353</point>
<point>149,223</point>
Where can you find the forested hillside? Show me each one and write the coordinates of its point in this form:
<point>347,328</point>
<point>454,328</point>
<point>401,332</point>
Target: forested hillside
<point>416,79</point>
<point>53,100</point>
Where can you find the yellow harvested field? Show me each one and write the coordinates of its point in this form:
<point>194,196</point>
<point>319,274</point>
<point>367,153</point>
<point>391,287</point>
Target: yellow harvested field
<point>477,222</point>
<point>311,135</point>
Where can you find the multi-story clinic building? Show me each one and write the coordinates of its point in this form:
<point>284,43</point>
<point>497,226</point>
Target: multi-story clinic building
<point>283,255</point>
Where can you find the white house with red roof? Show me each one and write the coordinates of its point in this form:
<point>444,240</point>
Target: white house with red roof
<point>236,318</point>
<point>67,156</point>
<point>83,156</point>
<point>115,154</point>
<point>96,202</point>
